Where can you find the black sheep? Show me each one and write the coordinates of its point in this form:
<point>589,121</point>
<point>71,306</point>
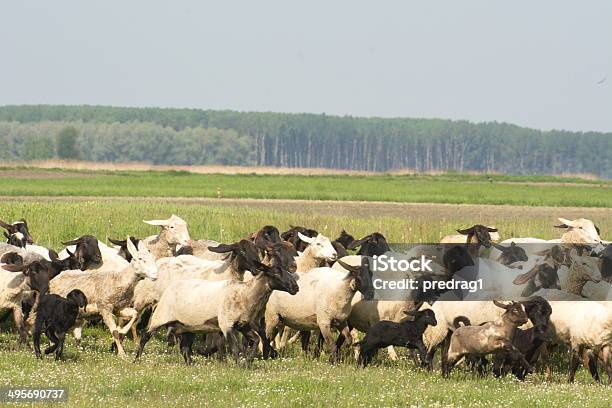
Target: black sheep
<point>404,334</point>
<point>56,315</point>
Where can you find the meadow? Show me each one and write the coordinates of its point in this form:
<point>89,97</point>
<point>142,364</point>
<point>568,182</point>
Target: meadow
<point>445,188</point>
<point>95,377</point>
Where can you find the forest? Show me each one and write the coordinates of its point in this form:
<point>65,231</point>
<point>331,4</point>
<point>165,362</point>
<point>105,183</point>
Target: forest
<point>193,137</point>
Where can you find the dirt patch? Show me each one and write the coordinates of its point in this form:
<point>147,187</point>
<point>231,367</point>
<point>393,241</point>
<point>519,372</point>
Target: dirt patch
<point>361,209</point>
<point>42,174</point>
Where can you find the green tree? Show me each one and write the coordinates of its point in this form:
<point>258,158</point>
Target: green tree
<point>65,143</point>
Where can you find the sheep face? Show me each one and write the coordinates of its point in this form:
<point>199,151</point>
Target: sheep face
<point>268,235</point>
<point>174,230</point>
<point>362,278</point>
<point>16,239</point>
<point>579,231</point>
<point>143,262</point>
<point>321,247</point>
<point>370,245</point>
<point>21,227</point>
<point>87,252</point>
<point>37,274</point>
<point>587,268</point>
<point>244,253</point>
<point>345,239</point>
<point>538,310</point>
<point>427,316</point>
<point>480,234</point>
<point>515,312</point>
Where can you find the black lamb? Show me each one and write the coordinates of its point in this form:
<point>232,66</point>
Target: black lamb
<point>404,334</point>
<point>56,315</point>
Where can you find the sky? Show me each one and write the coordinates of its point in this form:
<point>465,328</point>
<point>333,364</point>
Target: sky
<point>532,63</point>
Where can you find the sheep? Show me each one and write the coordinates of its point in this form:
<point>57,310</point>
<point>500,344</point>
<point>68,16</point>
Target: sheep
<point>580,230</point>
<point>405,334</point>
<point>15,282</point>
<point>370,245</point>
<point>528,341</point>
<point>476,234</point>
<point>291,236</point>
<point>56,315</point>
<point>492,337</point>
<point>18,227</point>
<point>87,251</point>
<point>341,243</point>
<point>17,239</point>
<point>241,256</point>
<point>508,255</point>
<point>231,306</point>
<point>109,292</point>
<point>173,233</point>
<point>316,253</point>
<point>583,326</point>
<point>323,302</point>
<point>263,237</point>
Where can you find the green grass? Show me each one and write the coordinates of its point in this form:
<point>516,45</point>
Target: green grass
<point>450,188</point>
<point>95,377</point>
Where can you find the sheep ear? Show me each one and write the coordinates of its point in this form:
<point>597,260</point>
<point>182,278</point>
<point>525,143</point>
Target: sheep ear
<point>159,223</point>
<point>53,255</point>
<point>466,231</point>
<point>222,248</point>
<point>359,242</point>
<point>527,276</point>
<point>353,270</point>
<point>116,241</point>
<point>500,304</point>
<point>564,223</point>
<point>15,268</point>
<point>6,226</point>
<point>7,235</point>
<point>73,242</point>
<point>131,248</point>
<point>491,229</point>
<point>306,239</point>
<point>411,312</point>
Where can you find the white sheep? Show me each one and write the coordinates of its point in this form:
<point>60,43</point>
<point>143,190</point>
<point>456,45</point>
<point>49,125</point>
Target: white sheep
<point>110,292</point>
<point>173,233</point>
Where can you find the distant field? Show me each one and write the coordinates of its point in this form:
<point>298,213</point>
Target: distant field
<point>447,188</point>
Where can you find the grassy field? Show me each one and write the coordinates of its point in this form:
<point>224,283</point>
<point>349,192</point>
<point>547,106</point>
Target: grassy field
<point>451,188</point>
<point>95,377</point>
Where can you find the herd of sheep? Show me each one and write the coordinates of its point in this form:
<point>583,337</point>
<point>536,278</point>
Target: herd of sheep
<point>254,296</point>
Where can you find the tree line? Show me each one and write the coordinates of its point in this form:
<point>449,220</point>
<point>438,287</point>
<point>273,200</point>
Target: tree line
<point>191,136</point>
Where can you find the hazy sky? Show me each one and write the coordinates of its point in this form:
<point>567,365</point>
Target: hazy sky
<point>533,63</point>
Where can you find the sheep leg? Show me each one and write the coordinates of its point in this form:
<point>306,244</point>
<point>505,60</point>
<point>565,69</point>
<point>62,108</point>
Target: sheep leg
<point>186,341</point>
<point>573,365</point>
<point>272,324</point>
<point>392,353</point>
<point>109,320</point>
<point>250,334</point>
<point>589,360</point>
<point>60,345</point>
<point>144,339</point>
<point>36,337</point>
<point>422,353</point>
<point>130,313</point>
<point>78,331</point>
<point>326,332</point>
<point>51,335</point>
<point>20,324</point>
<point>280,341</point>
<point>355,339</point>
<point>606,357</point>
<point>231,335</point>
